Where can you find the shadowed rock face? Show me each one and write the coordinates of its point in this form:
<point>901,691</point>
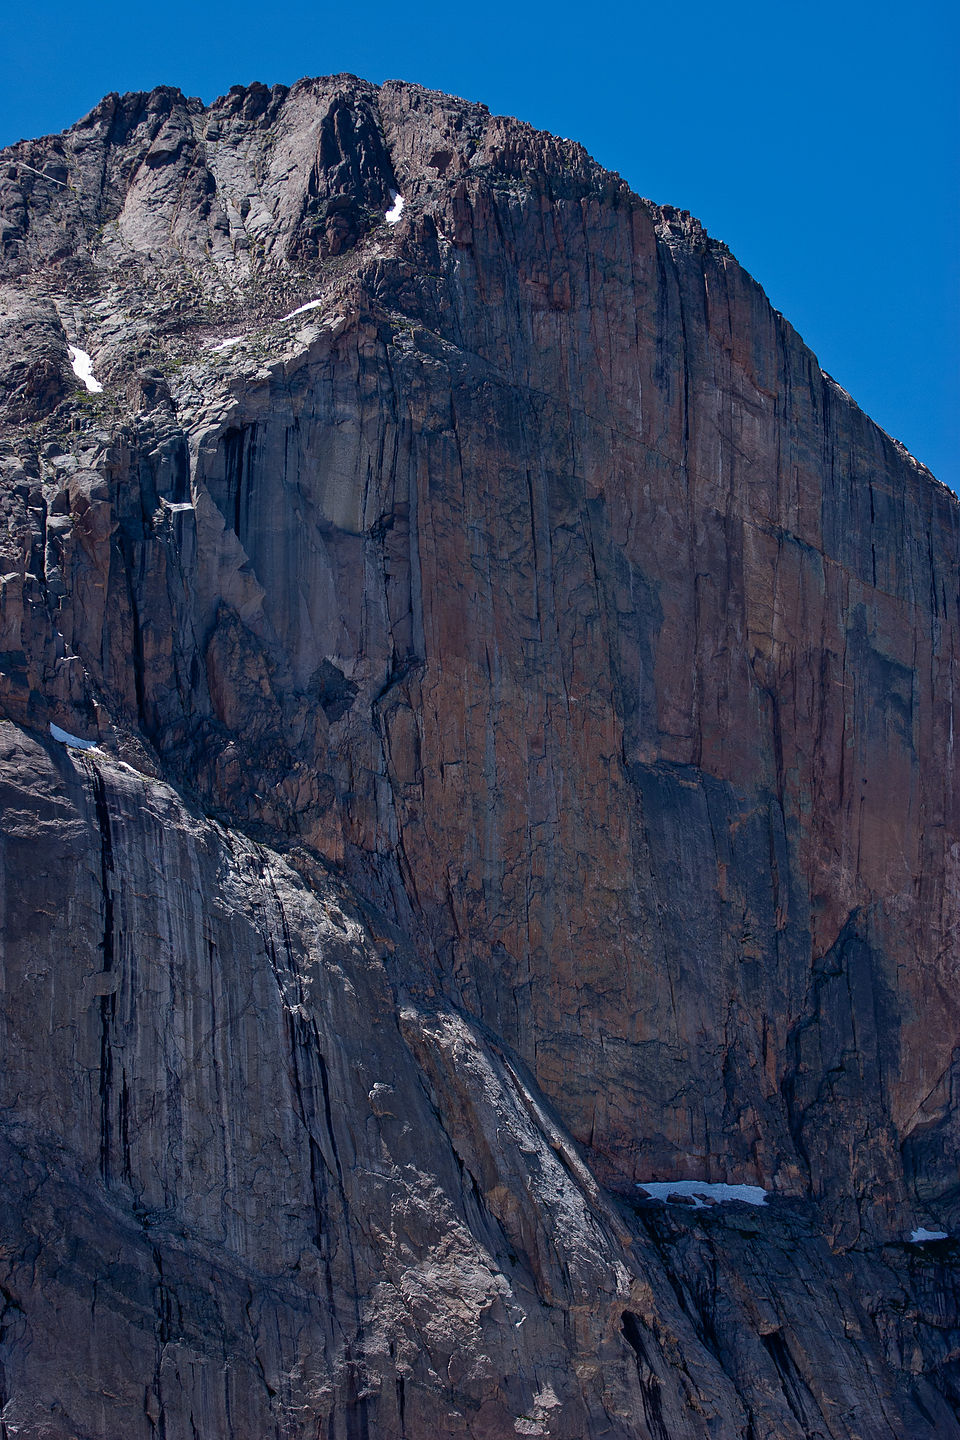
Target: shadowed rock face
<point>523,683</point>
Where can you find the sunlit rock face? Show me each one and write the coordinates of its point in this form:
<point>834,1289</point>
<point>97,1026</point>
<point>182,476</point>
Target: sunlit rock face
<point>521,684</point>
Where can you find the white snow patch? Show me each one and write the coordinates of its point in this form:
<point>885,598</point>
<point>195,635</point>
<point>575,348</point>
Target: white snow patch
<point>226,344</point>
<point>396,209</point>
<point>918,1236</point>
<point>83,369</point>
<point>74,741</point>
<point>700,1191</point>
<point>301,309</point>
<point>177,506</point>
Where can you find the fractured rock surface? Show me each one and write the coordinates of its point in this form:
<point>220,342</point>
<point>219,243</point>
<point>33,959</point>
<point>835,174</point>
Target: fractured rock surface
<point>522,683</point>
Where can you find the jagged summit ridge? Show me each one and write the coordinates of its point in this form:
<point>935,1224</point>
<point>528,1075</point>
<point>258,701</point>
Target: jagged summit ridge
<point>157,174</point>
<point>321,149</point>
<point>118,213</point>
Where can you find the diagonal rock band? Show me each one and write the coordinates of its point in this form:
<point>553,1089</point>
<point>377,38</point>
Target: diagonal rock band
<point>480,835</point>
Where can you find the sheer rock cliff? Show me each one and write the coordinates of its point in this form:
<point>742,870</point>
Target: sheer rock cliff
<point>522,690</point>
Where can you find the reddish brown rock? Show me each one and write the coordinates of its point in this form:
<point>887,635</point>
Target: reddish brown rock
<point>524,689</point>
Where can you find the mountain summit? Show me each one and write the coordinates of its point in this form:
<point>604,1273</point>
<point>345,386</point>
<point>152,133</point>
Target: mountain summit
<point>481,848</point>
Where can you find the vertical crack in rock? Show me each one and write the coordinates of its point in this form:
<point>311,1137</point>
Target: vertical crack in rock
<point>797,1396</point>
<point>649,1380</point>
<point>108,1002</point>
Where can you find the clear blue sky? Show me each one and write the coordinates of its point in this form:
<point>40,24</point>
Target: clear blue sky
<point>819,140</point>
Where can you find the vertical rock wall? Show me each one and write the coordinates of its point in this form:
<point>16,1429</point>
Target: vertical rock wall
<point>524,687</point>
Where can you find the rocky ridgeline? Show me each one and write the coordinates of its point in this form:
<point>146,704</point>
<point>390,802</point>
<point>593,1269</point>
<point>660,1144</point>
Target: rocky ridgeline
<point>518,687</point>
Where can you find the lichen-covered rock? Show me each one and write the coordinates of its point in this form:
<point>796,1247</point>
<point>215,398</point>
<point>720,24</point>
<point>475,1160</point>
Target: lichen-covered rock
<point>523,690</point>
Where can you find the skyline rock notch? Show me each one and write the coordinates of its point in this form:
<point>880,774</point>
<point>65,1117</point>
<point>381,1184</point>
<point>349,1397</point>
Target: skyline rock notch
<point>518,686</point>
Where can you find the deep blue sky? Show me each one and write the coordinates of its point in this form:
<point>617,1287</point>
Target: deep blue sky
<point>819,140</point>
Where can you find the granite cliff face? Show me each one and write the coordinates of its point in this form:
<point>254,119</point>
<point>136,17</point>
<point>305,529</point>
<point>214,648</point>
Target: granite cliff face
<point>523,690</point>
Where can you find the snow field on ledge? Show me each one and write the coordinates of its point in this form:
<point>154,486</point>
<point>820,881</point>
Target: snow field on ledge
<point>83,369</point>
<point>73,741</point>
<point>300,310</point>
<point>702,1192</point>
